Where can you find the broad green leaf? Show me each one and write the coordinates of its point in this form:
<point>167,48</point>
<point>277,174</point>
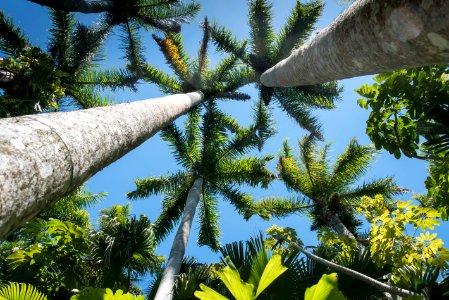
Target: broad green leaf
<point>207,293</point>
<point>326,288</point>
<point>20,291</point>
<point>273,270</point>
<point>239,289</point>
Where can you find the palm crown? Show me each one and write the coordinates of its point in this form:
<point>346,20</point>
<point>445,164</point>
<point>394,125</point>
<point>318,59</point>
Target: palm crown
<point>266,49</point>
<point>63,75</point>
<point>211,147</point>
<point>194,74</point>
<point>327,190</point>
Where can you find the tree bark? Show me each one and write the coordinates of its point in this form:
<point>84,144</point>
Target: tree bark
<point>371,36</point>
<point>82,6</point>
<point>44,157</point>
<point>357,275</point>
<point>165,289</point>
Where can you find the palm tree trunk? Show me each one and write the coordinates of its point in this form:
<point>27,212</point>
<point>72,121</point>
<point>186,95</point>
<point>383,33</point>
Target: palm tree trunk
<point>338,225</point>
<point>44,157</point>
<point>82,6</point>
<point>370,37</point>
<point>357,275</point>
<point>165,289</point>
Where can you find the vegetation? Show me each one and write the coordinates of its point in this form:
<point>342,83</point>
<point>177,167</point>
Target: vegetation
<point>61,254</point>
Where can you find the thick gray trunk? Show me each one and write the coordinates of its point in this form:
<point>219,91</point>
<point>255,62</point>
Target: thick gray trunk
<point>165,290</point>
<point>44,157</point>
<point>371,36</point>
<point>82,6</point>
<point>354,274</point>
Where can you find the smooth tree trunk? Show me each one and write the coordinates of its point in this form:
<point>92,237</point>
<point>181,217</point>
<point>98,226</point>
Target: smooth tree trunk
<point>82,6</point>
<point>338,225</point>
<point>370,37</point>
<point>356,275</point>
<point>178,249</point>
<point>44,157</point>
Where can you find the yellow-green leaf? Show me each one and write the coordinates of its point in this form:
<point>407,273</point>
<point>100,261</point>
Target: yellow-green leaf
<point>325,289</point>
<point>272,270</point>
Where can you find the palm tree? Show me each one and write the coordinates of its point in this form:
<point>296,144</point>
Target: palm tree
<point>266,49</point>
<point>160,14</point>
<point>327,192</point>
<point>123,247</point>
<point>211,154</point>
<point>63,76</point>
<point>361,42</point>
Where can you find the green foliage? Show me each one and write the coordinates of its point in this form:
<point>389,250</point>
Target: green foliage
<point>91,293</point>
<point>54,259</point>
<point>326,288</point>
<point>20,291</point>
<point>212,146</point>
<point>266,49</point>
<point>240,289</point>
<point>409,112</point>
<point>390,243</point>
<point>327,189</point>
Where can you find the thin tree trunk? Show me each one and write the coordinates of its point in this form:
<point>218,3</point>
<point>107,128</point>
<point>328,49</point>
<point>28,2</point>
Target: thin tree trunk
<point>371,36</point>
<point>44,157</point>
<point>338,225</point>
<point>165,289</point>
<point>357,275</point>
<point>82,6</point>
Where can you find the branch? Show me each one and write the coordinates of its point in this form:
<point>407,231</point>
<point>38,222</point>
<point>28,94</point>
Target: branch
<point>82,6</point>
<point>357,275</point>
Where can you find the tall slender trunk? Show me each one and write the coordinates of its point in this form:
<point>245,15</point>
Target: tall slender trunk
<point>338,225</point>
<point>165,290</point>
<point>82,6</point>
<point>371,36</point>
<point>44,157</point>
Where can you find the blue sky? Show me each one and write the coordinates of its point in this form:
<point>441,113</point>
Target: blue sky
<point>153,158</point>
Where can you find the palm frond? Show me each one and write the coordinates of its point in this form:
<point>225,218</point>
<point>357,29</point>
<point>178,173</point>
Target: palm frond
<point>106,79</point>
<point>298,28</point>
<point>282,207</point>
<point>158,185</point>
<point>171,47</point>
<point>133,47</point>
<point>243,202</point>
<point>18,291</point>
<point>223,67</point>
<point>86,97</point>
<point>294,176</point>
<point>224,40</point>
<point>165,83</point>
<point>301,114</point>
<point>87,45</point>
<point>202,53</point>
<point>261,33</point>
<point>193,133</point>
<point>12,39</point>
<point>178,142</point>
<point>351,165</point>
<point>385,187</point>
<point>167,16</point>
<point>61,37</point>
<point>209,233</point>
<point>247,170</point>
<point>317,96</point>
<point>172,210</point>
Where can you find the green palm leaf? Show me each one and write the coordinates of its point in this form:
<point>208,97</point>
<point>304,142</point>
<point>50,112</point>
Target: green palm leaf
<point>12,39</point>
<point>20,291</point>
